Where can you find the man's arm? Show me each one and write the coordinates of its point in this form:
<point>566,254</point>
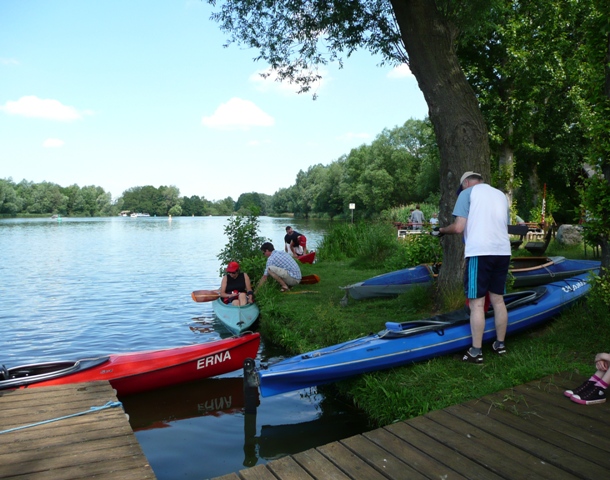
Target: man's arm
<point>457,227</point>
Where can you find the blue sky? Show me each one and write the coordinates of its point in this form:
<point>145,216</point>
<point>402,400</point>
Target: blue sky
<point>120,94</point>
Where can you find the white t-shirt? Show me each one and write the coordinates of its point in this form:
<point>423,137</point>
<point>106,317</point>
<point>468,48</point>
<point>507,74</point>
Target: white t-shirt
<point>487,214</point>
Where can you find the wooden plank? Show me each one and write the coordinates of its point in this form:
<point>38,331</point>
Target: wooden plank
<point>412,456</point>
<point>319,466</point>
<point>528,431</point>
<point>351,464</point>
<point>532,442</point>
<point>382,460</point>
<point>97,444</point>
<point>557,421</point>
<point>494,445</point>
<point>479,448</point>
<point>450,457</point>
<point>287,467</point>
<point>258,472</point>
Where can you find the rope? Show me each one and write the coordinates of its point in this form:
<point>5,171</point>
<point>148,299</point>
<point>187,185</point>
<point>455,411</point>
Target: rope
<point>91,410</point>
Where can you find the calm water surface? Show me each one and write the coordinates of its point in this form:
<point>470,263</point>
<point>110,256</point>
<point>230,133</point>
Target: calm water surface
<point>85,287</point>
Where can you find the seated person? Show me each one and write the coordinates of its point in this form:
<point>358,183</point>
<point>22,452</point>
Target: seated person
<point>235,287</point>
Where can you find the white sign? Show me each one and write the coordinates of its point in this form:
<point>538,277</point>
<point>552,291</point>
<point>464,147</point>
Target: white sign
<point>352,206</point>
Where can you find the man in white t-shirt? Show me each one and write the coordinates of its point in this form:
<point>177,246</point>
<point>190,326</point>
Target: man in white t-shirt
<point>481,213</point>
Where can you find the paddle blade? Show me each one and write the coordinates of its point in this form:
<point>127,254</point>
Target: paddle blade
<point>310,279</point>
<point>204,295</point>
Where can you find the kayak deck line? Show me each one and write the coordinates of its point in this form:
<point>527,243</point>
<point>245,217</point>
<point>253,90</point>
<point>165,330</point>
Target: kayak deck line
<point>90,446</point>
<point>109,404</point>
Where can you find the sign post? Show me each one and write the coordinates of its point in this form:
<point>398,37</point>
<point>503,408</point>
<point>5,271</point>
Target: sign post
<point>352,207</point>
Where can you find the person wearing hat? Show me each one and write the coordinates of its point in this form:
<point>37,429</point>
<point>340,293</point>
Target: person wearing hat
<point>281,267</point>
<point>482,214</point>
<point>235,287</point>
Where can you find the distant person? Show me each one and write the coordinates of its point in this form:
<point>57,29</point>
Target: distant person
<point>235,287</point>
<point>417,218</point>
<point>281,266</point>
<point>481,213</point>
<point>296,249</point>
<point>292,239</point>
<point>593,390</point>
<point>434,219</point>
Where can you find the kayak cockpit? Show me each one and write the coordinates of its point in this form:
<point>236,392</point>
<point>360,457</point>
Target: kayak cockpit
<point>27,374</point>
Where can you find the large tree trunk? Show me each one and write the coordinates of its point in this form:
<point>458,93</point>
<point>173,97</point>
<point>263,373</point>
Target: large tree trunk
<point>454,111</point>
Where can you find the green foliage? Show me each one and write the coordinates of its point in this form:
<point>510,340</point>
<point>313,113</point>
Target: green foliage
<point>401,166</point>
<point>244,246</point>
<point>600,295</point>
<point>414,250</point>
<point>551,205</point>
<point>402,213</point>
<point>595,196</point>
<point>368,243</point>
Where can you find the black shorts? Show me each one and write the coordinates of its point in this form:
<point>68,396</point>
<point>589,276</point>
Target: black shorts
<point>486,274</point>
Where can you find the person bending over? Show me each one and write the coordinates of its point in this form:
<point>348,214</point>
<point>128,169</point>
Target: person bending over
<point>281,267</point>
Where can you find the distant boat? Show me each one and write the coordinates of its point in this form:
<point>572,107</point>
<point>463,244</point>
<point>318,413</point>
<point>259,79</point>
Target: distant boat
<point>134,215</point>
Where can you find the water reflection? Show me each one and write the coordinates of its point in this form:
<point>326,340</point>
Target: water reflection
<point>195,411</point>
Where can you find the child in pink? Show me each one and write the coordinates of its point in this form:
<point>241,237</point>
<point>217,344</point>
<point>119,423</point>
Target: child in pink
<point>593,390</point>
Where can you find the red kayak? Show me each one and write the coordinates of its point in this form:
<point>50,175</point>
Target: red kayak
<point>140,371</point>
<point>308,258</point>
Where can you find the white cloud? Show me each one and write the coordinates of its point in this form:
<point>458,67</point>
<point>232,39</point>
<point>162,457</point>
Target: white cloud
<point>401,71</point>
<point>34,107</point>
<point>267,80</point>
<point>349,136</point>
<point>238,113</point>
<point>53,143</point>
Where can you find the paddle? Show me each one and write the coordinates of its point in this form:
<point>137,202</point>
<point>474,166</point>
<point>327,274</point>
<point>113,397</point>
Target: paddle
<point>309,279</point>
<point>211,295</point>
<point>204,295</point>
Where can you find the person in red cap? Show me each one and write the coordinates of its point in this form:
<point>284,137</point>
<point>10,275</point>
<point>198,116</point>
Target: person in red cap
<point>235,287</point>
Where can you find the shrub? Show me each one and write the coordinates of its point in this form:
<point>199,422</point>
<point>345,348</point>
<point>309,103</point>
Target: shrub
<point>244,246</point>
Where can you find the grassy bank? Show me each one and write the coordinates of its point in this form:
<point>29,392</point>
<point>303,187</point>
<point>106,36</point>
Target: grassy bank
<point>311,317</point>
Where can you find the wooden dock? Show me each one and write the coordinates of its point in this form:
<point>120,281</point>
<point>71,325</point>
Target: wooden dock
<point>530,431</point>
<point>100,444</point>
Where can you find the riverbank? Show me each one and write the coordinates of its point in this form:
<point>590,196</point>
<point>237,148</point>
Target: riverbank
<point>307,321</point>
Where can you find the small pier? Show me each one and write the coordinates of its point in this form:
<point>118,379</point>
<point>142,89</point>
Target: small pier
<point>529,431</point>
<point>99,444</point>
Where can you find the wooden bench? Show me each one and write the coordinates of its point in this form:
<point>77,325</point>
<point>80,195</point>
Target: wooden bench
<point>521,231</point>
<point>538,248</point>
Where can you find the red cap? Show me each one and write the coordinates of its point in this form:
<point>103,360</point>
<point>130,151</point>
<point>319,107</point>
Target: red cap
<point>232,267</point>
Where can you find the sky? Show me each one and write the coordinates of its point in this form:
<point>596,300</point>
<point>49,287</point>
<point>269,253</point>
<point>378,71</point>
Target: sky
<point>121,94</point>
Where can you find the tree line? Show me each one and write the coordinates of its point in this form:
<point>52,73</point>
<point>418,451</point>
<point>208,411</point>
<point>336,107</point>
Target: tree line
<point>398,167</point>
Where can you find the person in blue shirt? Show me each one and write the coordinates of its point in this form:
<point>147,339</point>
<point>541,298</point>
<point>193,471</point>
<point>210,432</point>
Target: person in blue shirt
<point>281,267</point>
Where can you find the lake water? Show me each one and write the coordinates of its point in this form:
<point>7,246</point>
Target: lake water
<point>85,287</point>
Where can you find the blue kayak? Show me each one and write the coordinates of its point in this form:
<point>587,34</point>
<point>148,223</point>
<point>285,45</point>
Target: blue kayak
<point>393,283</point>
<point>403,343</point>
<point>526,272</point>
<point>237,319</point>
